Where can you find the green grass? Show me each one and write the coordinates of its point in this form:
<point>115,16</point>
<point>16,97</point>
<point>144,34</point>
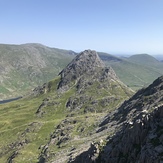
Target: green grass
<point>16,117</point>
<point>3,90</point>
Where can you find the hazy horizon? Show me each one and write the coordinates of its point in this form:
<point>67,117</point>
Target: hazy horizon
<point>115,27</point>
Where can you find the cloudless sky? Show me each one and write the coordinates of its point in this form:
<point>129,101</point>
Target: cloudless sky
<point>113,26</point>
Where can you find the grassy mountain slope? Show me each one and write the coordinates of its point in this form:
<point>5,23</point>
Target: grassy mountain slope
<point>137,71</point>
<point>22,67</point>
<point>144,59</point>
<point>58,121</point>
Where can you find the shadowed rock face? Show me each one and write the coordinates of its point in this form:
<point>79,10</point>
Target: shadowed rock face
<point>86,63</point>
<point>140,138</point>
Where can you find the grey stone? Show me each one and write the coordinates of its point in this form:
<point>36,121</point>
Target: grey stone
<point>159,149</point>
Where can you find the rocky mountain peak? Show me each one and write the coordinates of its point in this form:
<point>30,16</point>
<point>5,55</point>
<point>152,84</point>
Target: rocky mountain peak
<point>139,128</point>
<point>88,58</point>
<point>86,63</point>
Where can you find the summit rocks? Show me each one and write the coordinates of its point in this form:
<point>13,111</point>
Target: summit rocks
<point>87,63</point>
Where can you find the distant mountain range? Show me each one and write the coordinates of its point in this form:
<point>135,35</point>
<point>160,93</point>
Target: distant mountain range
<point>23,67</point>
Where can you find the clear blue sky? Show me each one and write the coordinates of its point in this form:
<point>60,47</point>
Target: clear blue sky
<point>113,26</point>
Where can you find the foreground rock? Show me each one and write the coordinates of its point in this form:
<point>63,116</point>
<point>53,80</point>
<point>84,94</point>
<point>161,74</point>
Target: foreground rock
<point>138,126</point>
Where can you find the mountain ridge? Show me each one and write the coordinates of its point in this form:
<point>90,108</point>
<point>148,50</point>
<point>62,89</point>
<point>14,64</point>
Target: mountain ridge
<point>144,142</point>
<point>92,82</point>
<point>25,66</point>
<point>48,124</point>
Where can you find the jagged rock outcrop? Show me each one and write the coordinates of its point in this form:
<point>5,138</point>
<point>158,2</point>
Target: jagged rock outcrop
<point>137,141</point>
<point>88,74</point>
<point>91,155</point>
<point>87,63</point>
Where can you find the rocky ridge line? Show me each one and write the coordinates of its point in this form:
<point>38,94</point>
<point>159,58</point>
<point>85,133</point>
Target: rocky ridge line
<point>138,125</point>
<point>86,63</point>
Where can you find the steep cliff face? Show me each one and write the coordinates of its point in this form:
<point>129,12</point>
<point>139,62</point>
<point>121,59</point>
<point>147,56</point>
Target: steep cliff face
<point>139,128</point>
<point>140,140</point>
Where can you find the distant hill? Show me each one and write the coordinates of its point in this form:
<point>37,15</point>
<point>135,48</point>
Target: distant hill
<point>23,67</point>
<point>144,59</point>
<point>137,71</point>
<point>109,57</point>
<point>159,57</point>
